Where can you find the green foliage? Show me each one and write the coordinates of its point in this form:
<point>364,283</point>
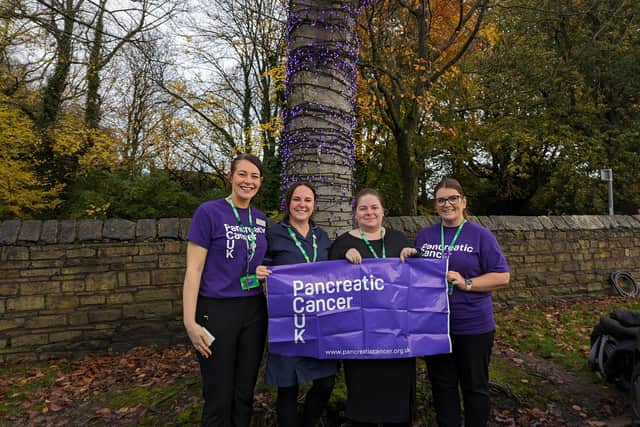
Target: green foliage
<point>151,195</point>
<point>545,101</point>
<point>381,172</point>
<point>546,95</point>
<point>268,198</point>
<point>191,416</point>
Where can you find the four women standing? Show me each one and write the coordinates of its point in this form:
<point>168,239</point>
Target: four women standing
<point>225,315</point>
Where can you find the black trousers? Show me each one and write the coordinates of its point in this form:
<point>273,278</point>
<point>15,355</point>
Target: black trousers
<point>314,403</point>
<point>229,375</point>
<point>468,367</point>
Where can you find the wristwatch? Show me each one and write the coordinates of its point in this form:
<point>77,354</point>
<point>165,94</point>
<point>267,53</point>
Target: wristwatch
<point>468,283</point>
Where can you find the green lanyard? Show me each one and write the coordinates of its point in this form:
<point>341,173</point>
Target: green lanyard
<point>375,255</point>
<point>299,244</point>
<point>251,247</point>
<point>446,253</point>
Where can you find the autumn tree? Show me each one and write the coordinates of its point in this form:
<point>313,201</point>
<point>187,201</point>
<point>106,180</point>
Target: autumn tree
<point>141,106</point>
<point>408,47</point>
<point>69,44</point>
<point>32,87</point>
<point>237,82</point>
<point>109,30</point>
<point>76,62</point>
<point>22,195</point>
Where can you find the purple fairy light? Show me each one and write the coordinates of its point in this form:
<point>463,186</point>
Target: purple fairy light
<point>320,86</point>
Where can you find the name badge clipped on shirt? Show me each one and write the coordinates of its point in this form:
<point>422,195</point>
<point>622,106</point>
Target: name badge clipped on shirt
<point>250,281</point>
<point>261,222</point>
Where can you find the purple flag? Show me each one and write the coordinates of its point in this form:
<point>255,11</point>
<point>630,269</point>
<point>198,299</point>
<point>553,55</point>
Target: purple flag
<point>380,309</point>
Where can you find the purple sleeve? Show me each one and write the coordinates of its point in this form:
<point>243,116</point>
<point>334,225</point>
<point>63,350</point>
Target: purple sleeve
<point>491,256</point>
<point>201,229</point>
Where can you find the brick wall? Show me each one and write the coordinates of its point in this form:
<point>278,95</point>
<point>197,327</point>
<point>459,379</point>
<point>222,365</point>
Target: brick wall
<point>74,287</point>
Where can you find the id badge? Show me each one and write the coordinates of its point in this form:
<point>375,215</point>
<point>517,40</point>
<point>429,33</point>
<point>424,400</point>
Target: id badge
<point>249,281</point>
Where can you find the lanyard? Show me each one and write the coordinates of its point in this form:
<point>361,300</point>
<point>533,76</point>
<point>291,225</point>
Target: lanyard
<point>446,253</point>
<point>251,247</point>
<point>293,236</point>
<point>375,255</point>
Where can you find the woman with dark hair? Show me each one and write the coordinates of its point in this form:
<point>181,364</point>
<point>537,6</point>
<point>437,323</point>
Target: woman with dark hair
<point>379,391</point>
<point>296,239</point>
<point>476,267</point>
<point>224,309</point>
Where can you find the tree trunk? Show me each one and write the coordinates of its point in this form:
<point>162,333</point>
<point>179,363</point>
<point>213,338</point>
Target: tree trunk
<point>54,168</point>
<point>319,117</point>
<point>92,111</point>
<point>56,84</point>
<point>408,170</point>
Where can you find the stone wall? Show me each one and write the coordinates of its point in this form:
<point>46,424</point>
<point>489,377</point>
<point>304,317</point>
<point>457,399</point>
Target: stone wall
<point>74,287</point>
<point>554,257</point>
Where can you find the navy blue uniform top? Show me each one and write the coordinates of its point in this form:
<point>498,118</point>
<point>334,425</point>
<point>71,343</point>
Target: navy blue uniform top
<point>286,371</point>
<point>281,250</point>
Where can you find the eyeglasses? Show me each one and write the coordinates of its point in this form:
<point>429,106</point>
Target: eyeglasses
<point>451,199</point>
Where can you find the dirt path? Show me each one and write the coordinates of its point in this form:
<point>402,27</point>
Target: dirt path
<point>569,399</point>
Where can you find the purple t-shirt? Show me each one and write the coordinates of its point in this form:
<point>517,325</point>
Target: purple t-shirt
<point>214,227</point>
<point>476,252</point>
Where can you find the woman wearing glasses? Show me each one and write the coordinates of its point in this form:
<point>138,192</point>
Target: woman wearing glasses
<point>296,239</point>
<point>379,391</point>
<point>476,267</point>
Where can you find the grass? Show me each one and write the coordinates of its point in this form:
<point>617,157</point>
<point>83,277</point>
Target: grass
<point>557,332</point>
<point>23,380</point>
<point>526,389</point>
<point>159,400</point>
